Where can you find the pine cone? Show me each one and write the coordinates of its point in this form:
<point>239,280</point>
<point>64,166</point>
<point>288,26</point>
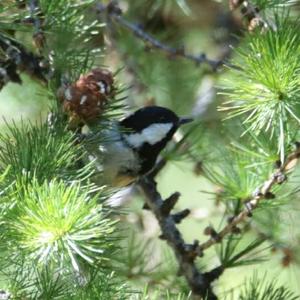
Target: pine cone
<point>85,100</point>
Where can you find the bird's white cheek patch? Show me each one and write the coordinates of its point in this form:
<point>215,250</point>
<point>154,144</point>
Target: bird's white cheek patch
<point>151,135</point>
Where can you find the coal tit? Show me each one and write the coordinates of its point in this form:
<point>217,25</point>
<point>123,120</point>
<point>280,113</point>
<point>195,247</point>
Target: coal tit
<point>129,148</point>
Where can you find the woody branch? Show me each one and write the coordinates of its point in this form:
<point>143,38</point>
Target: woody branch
<point>186,254</point>
<point>113,12</point>
<point>263,192</point>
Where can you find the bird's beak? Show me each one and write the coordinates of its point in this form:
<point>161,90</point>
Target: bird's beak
<point>185,120</point>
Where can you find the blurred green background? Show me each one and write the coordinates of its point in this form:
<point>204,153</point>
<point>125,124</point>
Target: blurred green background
<point>153,78</point>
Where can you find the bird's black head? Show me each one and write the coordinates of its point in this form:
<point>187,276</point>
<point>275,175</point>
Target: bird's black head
<point>148,130</point>
<point>147,116</point>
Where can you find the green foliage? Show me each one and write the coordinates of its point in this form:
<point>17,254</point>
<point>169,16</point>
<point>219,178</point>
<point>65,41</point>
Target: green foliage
<point>266,92</point>
<point>26,281</point>
<point>161,294</point>
<point>236,176</point>
<point>102,286</point>
<point>71,32</point>
<point>259,289</point>
<point>141,261</point>
<point>135,259</point>
<point>49,285</point>
<point>260,149</point>
<point>15,280</point>
<point>272,4</point>
<point>148,69</point>
<point>57,239</point>
<point>54,223</point>
<point>233,253</point>
<point>10,14</point>
<point>41,152</point>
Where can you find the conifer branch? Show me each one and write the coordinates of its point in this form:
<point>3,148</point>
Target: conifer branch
<point>8,72</point>
<point>35,12</point>
<point>157,168</point>
<point>19,58</point>
<point>186,254</point>
<point>250,12</point>
<point>262,193</point>
<point>114,12</point>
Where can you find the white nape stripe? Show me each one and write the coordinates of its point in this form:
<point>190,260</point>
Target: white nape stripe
<point>151,135</point>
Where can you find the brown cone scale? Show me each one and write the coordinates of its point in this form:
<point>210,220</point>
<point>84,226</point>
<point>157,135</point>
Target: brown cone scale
<point>85,100</point>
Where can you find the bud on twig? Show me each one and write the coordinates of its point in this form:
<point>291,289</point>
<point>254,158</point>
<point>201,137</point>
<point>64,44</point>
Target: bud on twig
<point>169,203</point>
<point>181,215</point>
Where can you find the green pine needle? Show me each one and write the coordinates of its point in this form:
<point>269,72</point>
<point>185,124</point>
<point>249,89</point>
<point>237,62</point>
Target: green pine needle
<point>260,149</point>
<point>14,278</point>
<point>266,90</point>
<point>161,294</point>
<point>260,289</point>
<point>235,175</point>
<point>10,14</point>
<point>105,287</point>
<point>272,4</point>
<point>27,281</point>
<point>233,254</point>
<point>41,152</point>
<point>59,224</point>
<point>49,285</point>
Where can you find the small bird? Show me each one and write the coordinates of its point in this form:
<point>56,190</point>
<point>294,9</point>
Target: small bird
<point>129,148</point>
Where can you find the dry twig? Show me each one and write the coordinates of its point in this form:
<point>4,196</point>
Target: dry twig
<point>263,192</point>
<point>35,14</point>
<point>114,12</point>
<point>200,283</point>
